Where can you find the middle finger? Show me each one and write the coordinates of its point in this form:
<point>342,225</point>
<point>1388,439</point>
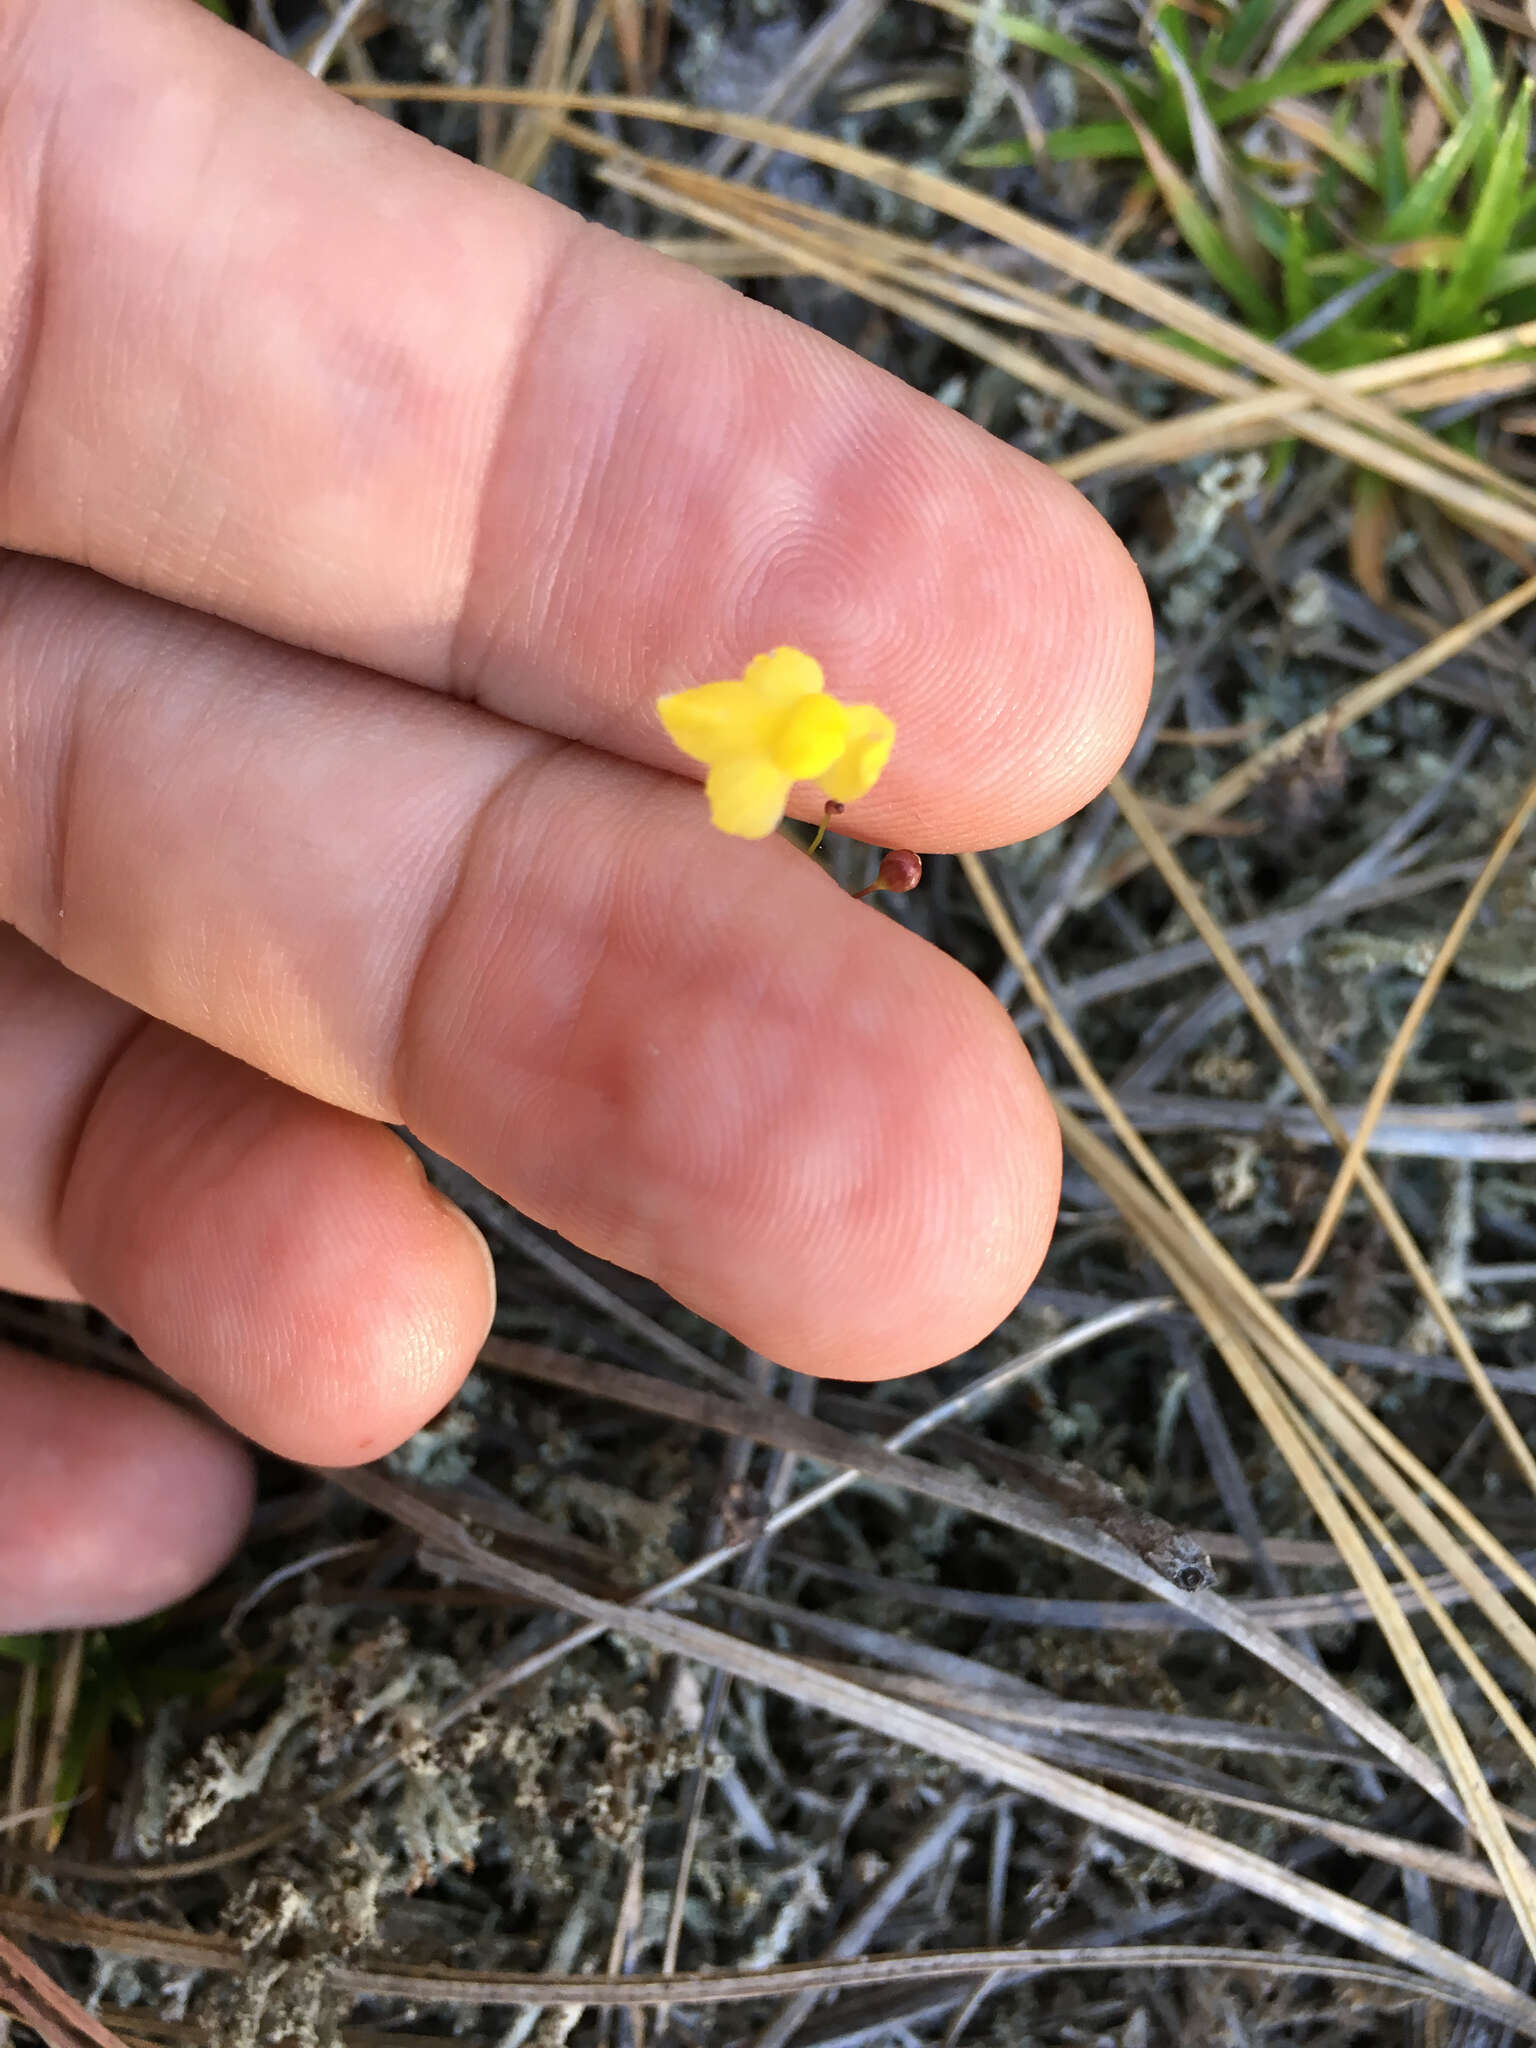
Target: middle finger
<point>694,1056</point>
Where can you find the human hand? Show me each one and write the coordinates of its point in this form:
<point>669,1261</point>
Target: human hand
<point>362,503</point>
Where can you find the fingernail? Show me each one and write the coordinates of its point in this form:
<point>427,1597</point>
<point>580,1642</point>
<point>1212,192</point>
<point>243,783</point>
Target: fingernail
<point>484,1250</point>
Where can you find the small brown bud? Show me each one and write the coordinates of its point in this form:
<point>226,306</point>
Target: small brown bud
<point>900,871</point>
<point>834,810</point>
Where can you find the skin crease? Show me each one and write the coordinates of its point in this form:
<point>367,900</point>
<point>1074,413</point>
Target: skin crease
<point>332,792</point>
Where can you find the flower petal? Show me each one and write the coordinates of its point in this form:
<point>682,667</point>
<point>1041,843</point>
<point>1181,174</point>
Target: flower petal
<point>782,677</point>
<point>871,736</point>
<point>811,736</point>
<point>747,795</point>
<point>715,720</point>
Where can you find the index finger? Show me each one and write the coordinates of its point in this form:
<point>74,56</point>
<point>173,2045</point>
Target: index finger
<point>270,355</point>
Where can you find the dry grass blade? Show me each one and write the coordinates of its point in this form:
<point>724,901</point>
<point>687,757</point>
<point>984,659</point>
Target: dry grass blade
<point>27,1813</point>
<point>338,30</point>
<point>964,280</point>
<point>1193,905</point>
<point>1397,1053</point>
<point>992,1695</point>
<point>1257,1343</point>
<point>1487,1684</point>
<point>57,2019</point>
<point>19,1789</point>
<point>1411,382</point>
<point>1223,1317</point>
<point>718,256</point>
<point>932,1734</point>
<point>802,254</point>
<point>822,53</point>
<point>1409,1131</point>
<point>1289,1432</point>
<point>1408,380</point>
<point>66,1691</point>
<point>1280,1611</point>
<point>585,1286</point>
<point>631,36</point>
<point>795,236</point>
<point>699,1987</point>
<point>526,147</point>
<point>1356,426</point>
<point>1443,1865</point>
<point>769,1422</point>
<point>498,40</point>
<point>970,1400</point>
<point>1230,789</point>
<point>716,1987</point>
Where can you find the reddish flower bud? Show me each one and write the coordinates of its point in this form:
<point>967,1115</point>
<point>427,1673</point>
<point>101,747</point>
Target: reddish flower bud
<point>900,871</point>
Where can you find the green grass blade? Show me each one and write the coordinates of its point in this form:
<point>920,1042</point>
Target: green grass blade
<point>1296,287</point>
<point>1269,223</point>
<point>1457,306</point>
<point>1347,347</point>
<point>1393,145</point>
<point>1430,194</point>
<point>1205,238</point>
<point>1093,141</point>
<point>1513,273</point>
<point>1248,29</point>
<point>1167,115</point>
<point>1290,82</point>
<point>1049,42</point>
<point>1482,79</point>
<point>1214,163</point>
<point>1173,23</point>
<point>1337,23</point>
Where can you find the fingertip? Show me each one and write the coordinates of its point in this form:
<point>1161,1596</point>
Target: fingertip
<point>1028,695</point>
<point>286,1260</point>
<point>396,1344</point>
<point>117,1503</point>
<point>1095,666</point>
<point>482,1258</point>
<point>855,1170</point>
<point>973,1189</point>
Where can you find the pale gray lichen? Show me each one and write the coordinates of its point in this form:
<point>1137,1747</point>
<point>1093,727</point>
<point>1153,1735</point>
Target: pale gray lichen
<point>1221,485</point>
<point>226,1773</point>
<point>442,1454</point>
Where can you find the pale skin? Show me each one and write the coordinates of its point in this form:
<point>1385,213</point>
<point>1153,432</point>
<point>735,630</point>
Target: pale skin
<point>359,505</point>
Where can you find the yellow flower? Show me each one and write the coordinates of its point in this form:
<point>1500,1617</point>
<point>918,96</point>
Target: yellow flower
<point>775,727</point>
